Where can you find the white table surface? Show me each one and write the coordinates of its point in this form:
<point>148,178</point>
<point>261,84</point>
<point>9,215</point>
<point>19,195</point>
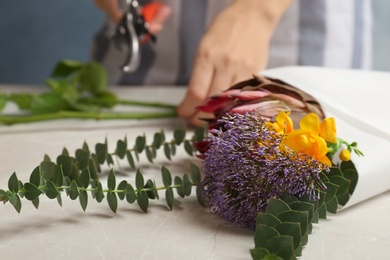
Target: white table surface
<point>361,231</point>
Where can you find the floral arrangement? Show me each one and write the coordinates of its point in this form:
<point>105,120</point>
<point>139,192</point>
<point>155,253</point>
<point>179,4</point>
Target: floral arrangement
<point>269,164</point>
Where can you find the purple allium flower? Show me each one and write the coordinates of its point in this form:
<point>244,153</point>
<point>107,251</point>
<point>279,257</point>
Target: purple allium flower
<point>245,165</point>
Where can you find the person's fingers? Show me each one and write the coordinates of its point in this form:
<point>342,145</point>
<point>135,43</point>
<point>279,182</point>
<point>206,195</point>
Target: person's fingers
<point>221,80</point>
<point>198,87</point>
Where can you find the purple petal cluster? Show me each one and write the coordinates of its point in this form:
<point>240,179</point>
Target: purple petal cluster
<point>245,165</point>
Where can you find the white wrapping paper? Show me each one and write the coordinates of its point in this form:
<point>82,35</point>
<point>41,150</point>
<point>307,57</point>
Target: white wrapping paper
<point>360,103</point>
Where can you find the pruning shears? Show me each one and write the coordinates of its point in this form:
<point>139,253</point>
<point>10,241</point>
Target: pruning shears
<point>131,32</point>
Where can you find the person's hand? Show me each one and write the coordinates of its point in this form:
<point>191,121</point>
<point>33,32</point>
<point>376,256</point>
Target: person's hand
<point>234,47</point>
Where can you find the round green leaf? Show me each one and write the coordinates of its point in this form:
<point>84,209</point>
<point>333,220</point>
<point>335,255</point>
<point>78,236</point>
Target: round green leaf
<point>179,135</point>
<point>31,191</point>
<point>140,143</point>
<point>166,176</point>
<point>121,148</point>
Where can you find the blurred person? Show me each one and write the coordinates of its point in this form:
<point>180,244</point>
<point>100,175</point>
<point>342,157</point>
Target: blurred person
<point>208,45</point>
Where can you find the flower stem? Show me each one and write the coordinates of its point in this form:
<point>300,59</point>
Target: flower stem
<point>10,120</point>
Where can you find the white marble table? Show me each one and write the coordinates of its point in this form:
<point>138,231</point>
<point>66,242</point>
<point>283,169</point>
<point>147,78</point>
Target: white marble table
<point>361,231</point>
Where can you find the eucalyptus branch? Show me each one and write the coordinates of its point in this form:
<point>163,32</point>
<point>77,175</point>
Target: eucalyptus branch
<point>78,175</point>
<point>52,187</point>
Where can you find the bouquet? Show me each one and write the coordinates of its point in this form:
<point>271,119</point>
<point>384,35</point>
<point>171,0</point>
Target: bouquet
<point>269,164</point>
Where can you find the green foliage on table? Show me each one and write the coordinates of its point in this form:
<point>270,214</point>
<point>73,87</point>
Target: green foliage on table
<point>80,174</point>
<point>282,230</point>
<point>76,90</point>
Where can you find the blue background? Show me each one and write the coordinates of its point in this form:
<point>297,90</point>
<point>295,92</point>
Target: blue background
<point>34,35</point>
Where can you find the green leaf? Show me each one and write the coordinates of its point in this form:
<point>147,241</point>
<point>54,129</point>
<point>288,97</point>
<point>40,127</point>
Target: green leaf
<point>66,163</point>
<point>166,176</point>
<point>106,99</point>
<point>93,171</point>
<point>167,151</point>
<point>35,202</point>
<point>131,196</point>
<point>322,211</point>
<point>353,177</point>
<point>73,192</point>
<point>149,155</point>
<point>169,197</point>
<point>48,103</point>
<point>111,180</point>
<point>267,219</point>
<point>199,133</point>
<point>151,192</point>
<point>303,206</point>
<point>294,216</point>
<point>179,135</point>
<point>331,191</point>
<point>187,185</point>
<point>66,67</point>
<point>47,169</point>
<point>3,101</point>
<point>195,174</point>
<point>121,149</point>
<point>139,180</point>
<point>263,254</point>
<point>84,178</point>
<point>99,193</point>
<point>264,234</point>
<point>13,184</point>
<point>331,205</point>
<point>92,77</point>
<point>130,159</point>
<point>143,200</point>
<point>22,100</point>
<point>188,147</point>
<point>178,182</point>
<point>83,198</point>
<point>58,177</point>
<point>14,199</point>
<point>51,190</point>
<point>276,206</point>
<point>31,192</point>
<point>101,152</point>
<point>122,187</point>
<point>82,158</point>
<point>343,184</point>
<point>157,140</point>
<point>291,229</point>
<point>35,177</point>
<point>140,143</point>
<point>282,246</point>
<point>173,148</point>
<point>112,201</point>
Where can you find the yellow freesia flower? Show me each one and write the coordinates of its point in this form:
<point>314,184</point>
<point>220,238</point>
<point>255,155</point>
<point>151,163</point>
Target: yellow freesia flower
<point>283,123</point>
<point>345,155</point>
<point>328,130</point>
<point>312,137</point>
<point>309,143</point>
